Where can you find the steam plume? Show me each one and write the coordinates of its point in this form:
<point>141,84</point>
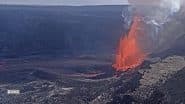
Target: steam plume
<point>164,22</point>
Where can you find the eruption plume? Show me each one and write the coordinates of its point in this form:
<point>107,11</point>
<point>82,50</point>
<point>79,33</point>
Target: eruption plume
<point>130,54</point>
<point>163,22</point>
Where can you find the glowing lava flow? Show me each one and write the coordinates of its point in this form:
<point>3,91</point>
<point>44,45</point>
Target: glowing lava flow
<point>129,54</point>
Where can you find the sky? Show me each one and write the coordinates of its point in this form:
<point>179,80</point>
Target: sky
<point>65,2</point>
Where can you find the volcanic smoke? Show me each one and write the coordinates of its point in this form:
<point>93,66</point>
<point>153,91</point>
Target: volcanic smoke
<point>129,54</point>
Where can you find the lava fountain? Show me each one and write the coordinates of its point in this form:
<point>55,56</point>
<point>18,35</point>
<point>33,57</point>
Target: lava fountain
<point>130,54</point>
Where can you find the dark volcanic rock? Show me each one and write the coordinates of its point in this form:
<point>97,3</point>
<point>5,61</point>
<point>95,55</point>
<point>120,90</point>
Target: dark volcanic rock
<point>24,75</point>
<point>174,88</point>
<point>116,90</point>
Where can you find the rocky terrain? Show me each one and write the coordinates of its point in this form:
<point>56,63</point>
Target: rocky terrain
<point>153,83</point>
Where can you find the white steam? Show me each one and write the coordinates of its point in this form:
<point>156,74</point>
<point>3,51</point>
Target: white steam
<point>172,5</point>
<point>163,20</point>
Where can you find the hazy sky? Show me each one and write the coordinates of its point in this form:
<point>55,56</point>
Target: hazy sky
<point>64,2</point>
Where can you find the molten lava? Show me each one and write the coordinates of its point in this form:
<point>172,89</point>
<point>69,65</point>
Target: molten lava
<point>129,54</point>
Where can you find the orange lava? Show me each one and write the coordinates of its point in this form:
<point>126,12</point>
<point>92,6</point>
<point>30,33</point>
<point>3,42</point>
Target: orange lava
<point>129,54</point>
